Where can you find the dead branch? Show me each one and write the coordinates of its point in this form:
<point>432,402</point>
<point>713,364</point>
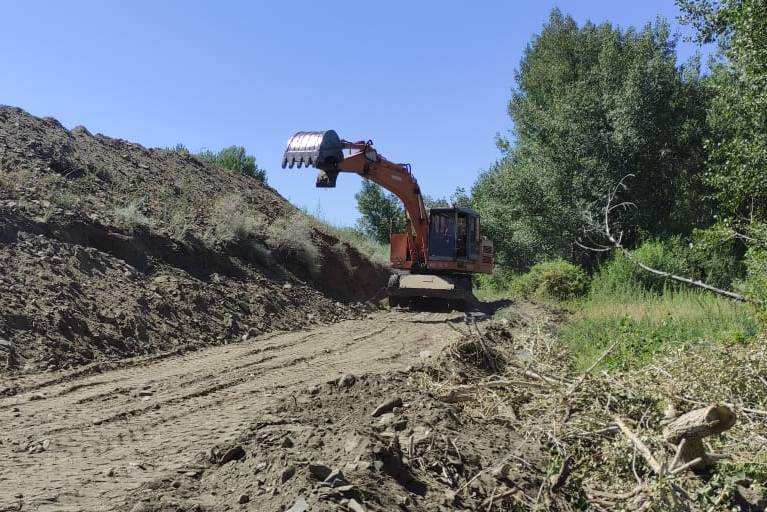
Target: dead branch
<point>616,243</point>
<point>641,447</point>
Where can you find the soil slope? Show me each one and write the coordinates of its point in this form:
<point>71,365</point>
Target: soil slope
<point>109,250</point>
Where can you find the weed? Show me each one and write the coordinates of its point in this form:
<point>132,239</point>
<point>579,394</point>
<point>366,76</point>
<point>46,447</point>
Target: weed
<point>64,199</point>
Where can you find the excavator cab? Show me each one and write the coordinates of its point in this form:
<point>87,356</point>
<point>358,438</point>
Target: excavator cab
<point>454,234</point>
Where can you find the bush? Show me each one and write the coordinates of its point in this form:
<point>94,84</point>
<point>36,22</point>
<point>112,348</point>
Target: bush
<point>291,238</point>
<point>232,219</point>
<point>556,279</point>
<point>131,215</point>
<point>717,255</point>
<point>755,284</point>
<point>620,275</point>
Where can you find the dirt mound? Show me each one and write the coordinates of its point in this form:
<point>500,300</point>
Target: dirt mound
<point>358,443</point>
<point>110,249</point>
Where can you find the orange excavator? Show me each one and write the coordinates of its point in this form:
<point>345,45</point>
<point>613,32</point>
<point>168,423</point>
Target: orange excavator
<point>441,247</point>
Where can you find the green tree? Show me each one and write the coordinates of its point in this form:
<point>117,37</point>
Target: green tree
<point>737,164</point>
<point>592,104</point>
<point>738,114</point>
<point>382,213</point>
<point>235,159</point>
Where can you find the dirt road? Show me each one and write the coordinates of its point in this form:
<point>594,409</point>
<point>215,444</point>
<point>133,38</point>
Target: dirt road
<point>72,442</point>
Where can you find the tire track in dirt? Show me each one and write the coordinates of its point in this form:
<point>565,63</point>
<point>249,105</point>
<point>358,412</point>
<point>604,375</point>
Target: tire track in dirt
<point>111,431</point>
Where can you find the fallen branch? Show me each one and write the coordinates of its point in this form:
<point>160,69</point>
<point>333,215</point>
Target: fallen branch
<point>640,446</point>
<point>616,243</point>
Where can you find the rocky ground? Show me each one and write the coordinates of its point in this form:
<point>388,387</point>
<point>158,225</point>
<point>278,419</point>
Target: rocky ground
<point>110,250</point>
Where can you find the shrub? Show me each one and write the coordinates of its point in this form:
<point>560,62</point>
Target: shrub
<point>717,255</point>
<point>755,283</point>
<point>556,279</point>
<point>232,219</point>
<point>291,238</point>
<point>131,215</point>
<point>620,275</point>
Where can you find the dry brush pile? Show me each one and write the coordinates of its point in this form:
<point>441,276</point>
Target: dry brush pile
<point>687,432</point>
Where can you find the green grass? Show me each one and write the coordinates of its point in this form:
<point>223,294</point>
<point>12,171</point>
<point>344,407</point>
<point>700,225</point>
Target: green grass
<point>646,324</point>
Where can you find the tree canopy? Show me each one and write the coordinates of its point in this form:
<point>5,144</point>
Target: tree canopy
<point>592,104</point>
<point>235,159</point>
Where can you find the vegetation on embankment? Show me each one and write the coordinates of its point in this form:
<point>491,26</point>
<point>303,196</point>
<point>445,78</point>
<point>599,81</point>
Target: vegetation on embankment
<point>645,316</point>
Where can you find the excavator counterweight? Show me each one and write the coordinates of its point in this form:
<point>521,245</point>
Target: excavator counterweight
<point>440,248</point>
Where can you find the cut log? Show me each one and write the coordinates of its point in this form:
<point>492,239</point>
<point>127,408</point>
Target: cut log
<point>692,427</point>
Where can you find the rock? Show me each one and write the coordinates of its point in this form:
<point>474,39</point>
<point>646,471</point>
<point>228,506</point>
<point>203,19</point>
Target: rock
<point>175,484</point>
<point>235,453</point>
<point>37,396</point>
<point>146,393</point>
<point>300,505</point>
<point>315,442</point>
<point>319,471</point>
<point>387,406</point>
<point>244,498</point>
<point>287,473</point>
<point>335,478</point>
<point>355,506</point>
<point>141,507</point>
<point>287,442</point>
<point>110,472</point>
<point>287,286</point>
<point>346,380</point>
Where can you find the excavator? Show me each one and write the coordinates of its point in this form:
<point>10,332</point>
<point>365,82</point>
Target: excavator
<point>441,247</point>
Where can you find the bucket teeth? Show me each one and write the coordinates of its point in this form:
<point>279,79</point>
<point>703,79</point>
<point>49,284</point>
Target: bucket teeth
<point>318,149</point>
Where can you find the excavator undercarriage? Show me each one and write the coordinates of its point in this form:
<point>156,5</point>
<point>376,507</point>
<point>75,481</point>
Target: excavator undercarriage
<point>440,249</point>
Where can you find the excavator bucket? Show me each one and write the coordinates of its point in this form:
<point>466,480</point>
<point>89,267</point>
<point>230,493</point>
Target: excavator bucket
<point>322,150</point>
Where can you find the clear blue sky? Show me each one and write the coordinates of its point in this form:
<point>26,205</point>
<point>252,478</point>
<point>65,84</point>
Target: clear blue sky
<point>428,81</point>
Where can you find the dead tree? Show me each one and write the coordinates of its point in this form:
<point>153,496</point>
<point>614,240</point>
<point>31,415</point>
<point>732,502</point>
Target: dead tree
<point>606,232</point>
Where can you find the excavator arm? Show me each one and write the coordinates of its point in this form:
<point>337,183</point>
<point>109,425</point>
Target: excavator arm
<point>325,151</point>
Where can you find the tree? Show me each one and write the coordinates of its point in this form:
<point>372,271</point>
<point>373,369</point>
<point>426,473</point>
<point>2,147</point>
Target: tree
<point>737,163</point>
<point>235,159</point>
<point>382,213</point>
<point>738,115</point>
<point>592,104</point>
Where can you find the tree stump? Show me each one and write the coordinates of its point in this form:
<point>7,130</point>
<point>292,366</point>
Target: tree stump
<point>693,427</point>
